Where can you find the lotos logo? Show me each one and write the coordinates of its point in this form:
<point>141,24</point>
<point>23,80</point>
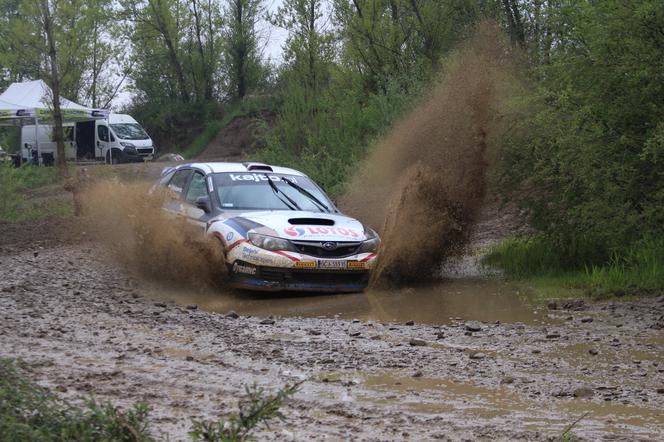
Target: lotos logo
<point>321,231</point>
<point>294,231</point>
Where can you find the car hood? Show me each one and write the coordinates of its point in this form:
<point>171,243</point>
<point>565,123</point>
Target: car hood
<point>302,225</point>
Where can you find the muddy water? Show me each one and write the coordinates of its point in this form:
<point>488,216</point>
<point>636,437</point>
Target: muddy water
<point>482,300</point>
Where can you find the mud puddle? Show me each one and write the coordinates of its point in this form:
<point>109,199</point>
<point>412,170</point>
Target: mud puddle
<point>459,401</point>
<point>483,300</point>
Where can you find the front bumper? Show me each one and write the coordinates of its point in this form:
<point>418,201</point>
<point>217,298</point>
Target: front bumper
<point>135,157</point>
<point>254,268</point>
<point>244,275</point>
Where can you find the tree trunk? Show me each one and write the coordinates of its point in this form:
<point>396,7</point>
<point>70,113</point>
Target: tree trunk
<point>207,81</point>
<point>172,53</point>
<point>58,132</point>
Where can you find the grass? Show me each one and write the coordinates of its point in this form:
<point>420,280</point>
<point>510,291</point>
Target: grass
<point>29,412</point>
<point>244,107</point>
<point>637,269</point>
<point>15,183</point>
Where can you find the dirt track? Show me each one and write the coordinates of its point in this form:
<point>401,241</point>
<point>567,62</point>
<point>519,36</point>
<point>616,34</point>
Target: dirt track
<point>86,327</point>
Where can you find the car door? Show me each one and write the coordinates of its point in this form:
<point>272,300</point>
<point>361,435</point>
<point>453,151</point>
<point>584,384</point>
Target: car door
<point>104,143</point>
<point>197,192</point>
<point>174,203</point>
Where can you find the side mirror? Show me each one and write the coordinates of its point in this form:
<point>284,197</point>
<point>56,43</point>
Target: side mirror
<point>203,203</point>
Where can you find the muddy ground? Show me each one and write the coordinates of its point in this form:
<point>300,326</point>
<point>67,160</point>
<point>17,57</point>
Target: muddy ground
<point>88,326</point>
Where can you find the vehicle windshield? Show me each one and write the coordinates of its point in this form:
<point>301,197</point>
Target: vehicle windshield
<point>129,131</point>
<point>251,191</point>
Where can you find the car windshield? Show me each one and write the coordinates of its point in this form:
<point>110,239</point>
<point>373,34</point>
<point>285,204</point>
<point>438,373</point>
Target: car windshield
<point>252,191</point>
<point>129,131</point>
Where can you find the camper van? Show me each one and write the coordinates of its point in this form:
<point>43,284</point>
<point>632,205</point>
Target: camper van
<point>120,139</point>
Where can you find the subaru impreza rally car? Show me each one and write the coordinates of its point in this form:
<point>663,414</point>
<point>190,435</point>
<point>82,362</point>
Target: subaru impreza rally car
<point>278,230</point>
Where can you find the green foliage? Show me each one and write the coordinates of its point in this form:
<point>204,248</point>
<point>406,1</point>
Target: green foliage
<point>242,67</point>
<point>588,148</point>
<point>257,408</point>
<point>346,122</point>
<point>14,182</point>
<point>29,412</point>
<point>636,269</point>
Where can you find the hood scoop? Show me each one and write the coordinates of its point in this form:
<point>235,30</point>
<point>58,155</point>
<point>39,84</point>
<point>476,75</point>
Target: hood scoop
<point>311,221</point>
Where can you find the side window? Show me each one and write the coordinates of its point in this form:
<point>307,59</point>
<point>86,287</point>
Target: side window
<point>163,181</point>
<point>179,180</point>
<point>102,132</point>
<point>197,188</point>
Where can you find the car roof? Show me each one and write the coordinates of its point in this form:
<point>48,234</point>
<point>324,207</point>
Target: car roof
<point>217,167</point>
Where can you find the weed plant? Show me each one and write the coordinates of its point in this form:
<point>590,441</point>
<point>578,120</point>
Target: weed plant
<point>29,412</point>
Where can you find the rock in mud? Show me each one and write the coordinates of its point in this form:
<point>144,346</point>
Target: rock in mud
<point>553,305</point>
<point>410,323</point>
<point>552,335</point>
<point>191,307</point>
<point>267,321</point>
<point>473,326</point>
<point>660,299</point>
<point>477,355</point>
<point>160,304</point>
<point>586,319</point>
<point>314,332</point>
<point>417,342</point>
<point>660,390</point>
<point>417,374</point>
<point>583,392</point>
<point>508,380</point>
<point>593,351</point>
<point>232,315</point>
<point>574,304</point>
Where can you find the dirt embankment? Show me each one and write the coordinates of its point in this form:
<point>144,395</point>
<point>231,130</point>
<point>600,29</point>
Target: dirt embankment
<point>88,327</point>
<point>241,138</point>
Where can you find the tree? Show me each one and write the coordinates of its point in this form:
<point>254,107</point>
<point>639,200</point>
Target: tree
<point>241,54</point>
<point>53,32</point>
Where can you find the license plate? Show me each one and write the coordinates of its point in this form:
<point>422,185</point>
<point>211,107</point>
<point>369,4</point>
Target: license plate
<point>331,264</point>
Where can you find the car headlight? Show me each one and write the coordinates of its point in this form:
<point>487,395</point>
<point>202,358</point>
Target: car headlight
<point>270,242</point>
<point>372,242</point>
<point>128,146</point>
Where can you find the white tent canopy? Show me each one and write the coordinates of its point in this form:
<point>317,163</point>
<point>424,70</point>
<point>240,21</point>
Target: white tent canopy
<point>10,112</point>
<point>30,102</point>
<point>38,96</point>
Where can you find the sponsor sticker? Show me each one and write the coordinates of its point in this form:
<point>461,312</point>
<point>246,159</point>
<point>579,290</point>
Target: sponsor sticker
<point>229,236</point>
<point>321,231</point>
<point>305,264</point>
<point>239,268</point>
<point>331,264</point>
<point>356,265</point>
<point>258,177</point>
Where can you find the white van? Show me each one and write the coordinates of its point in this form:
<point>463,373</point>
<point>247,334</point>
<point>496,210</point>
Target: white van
<point>120,139</point>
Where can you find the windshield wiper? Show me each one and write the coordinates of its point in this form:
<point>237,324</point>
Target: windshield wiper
<point>306,193</point>
<point>276,191</point>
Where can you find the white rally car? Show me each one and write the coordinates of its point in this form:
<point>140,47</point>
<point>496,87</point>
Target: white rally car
<point>277,228</point>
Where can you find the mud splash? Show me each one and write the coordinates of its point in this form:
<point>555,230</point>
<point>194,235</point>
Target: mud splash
<point>425,181</point>
<point>146,240</point>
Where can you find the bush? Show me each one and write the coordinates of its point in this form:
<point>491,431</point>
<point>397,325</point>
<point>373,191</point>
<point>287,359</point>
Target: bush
<point>14,182</point>
<point>30,412</point>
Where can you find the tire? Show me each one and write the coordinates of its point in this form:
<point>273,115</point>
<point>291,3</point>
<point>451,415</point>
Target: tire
<point>113,158</point>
